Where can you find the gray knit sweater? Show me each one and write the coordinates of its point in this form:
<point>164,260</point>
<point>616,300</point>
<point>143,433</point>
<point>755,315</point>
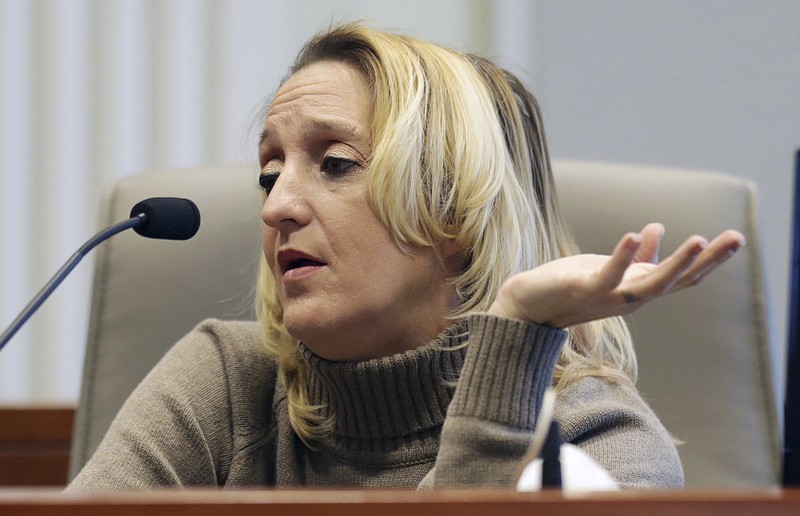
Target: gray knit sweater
<point>212,413</point>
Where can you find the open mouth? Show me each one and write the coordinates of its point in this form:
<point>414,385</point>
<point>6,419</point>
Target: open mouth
<point>291,260</point>
<point>303,262</point>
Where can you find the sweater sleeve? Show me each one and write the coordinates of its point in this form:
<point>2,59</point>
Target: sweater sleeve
<point>173,430</point>
<point>491,419</point>
<point>614,425</point>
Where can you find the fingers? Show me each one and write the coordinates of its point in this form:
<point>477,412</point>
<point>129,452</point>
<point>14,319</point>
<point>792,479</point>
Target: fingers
<point>640,248</point>
<point>695,259</point>
<point>630,282</point>
<point>667,274</point>
<point>614,269</point>
<point>717,252</point>
<point>651,236</point>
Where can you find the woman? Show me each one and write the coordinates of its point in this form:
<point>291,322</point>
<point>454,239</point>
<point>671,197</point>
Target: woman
<point>419,294</point>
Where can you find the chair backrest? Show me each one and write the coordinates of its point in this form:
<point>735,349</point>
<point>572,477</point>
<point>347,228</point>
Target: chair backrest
<point>703,353</point>
<point>147,293</point>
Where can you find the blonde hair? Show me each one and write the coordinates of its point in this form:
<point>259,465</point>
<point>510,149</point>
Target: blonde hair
<point>459,154</point>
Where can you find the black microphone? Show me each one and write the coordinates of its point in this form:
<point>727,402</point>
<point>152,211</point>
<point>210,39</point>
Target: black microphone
<point>168,218</point>
<point>551,461</point>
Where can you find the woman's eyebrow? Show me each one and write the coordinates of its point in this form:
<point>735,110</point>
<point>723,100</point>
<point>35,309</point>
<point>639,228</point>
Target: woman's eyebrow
<point>322,125</point>
<point>334,126</point>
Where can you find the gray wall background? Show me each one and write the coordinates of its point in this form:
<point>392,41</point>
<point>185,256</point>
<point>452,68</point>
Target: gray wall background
<point>697,84</point>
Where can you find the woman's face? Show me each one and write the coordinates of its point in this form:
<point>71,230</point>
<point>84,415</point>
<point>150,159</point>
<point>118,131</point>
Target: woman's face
<point>348,292</point>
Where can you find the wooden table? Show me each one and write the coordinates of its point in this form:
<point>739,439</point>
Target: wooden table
<point>34,450</point>
<point>34,445</point>
<point>29,502</point>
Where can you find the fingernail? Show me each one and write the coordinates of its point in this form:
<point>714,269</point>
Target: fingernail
<point>699,247</point>
<point>734,248</point>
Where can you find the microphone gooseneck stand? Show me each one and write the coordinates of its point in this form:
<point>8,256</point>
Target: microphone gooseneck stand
<point>65,269</point>
<point>163,218</point>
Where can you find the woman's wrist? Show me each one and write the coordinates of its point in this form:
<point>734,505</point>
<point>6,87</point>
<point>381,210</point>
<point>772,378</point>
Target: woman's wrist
<point>504,306</point>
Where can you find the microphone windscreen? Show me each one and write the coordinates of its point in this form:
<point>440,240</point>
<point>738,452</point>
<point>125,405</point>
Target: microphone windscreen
<point>168,218</point>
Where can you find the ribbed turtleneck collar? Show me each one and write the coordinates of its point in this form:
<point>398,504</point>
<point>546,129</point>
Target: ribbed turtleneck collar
<point>389,397</point>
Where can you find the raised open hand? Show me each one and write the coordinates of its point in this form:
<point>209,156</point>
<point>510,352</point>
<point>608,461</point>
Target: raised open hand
<point>585,287</point>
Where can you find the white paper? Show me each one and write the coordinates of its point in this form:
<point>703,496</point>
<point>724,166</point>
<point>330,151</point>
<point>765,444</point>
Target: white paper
<point>579,473</point>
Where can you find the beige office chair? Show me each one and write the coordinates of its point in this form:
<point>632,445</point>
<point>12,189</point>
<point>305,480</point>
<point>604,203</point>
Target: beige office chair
<point>703,352</point>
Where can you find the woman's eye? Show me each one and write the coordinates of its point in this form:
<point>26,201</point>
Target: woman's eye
<point>337,166</point>
<point>267,180</point>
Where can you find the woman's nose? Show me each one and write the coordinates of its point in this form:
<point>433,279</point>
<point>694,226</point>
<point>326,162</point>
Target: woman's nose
<point>287,203</point>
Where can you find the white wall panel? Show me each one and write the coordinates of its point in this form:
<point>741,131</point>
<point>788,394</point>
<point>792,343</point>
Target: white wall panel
<point>17,187</point>
<point>122,77</point>
<point>62,202</point>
